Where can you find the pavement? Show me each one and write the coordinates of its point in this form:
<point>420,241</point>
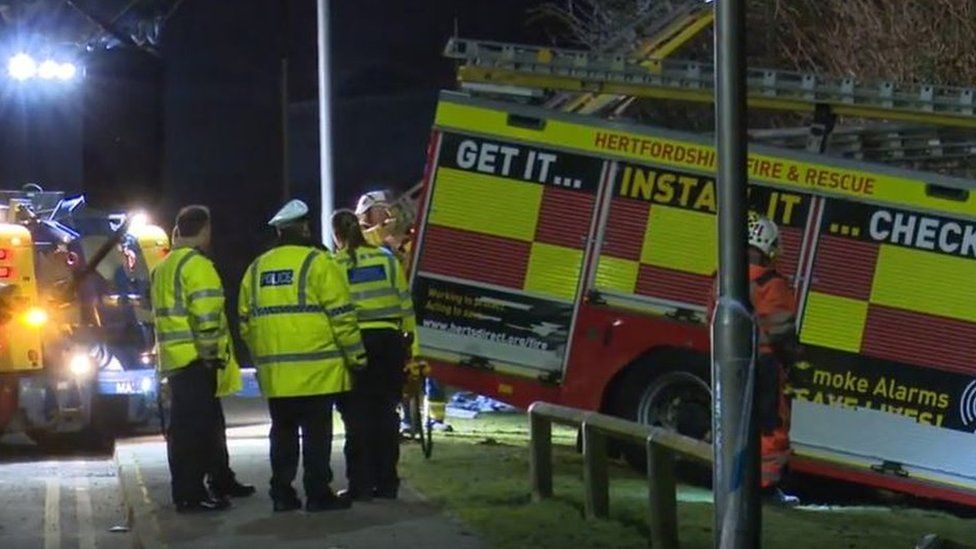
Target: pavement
<point>72,499</point>
<point>144,479</point>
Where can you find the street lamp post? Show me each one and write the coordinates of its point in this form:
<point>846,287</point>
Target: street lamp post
<point>734,427</point>
<point>325,121</point>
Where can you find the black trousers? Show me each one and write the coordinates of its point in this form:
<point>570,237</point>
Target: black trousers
<point>312,416</point>
<point>771,403</point>
<point>372,447</point>
<point>221,477</point>
<point>196,444</point>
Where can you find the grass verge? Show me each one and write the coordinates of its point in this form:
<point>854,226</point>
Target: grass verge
<point>480,473</point>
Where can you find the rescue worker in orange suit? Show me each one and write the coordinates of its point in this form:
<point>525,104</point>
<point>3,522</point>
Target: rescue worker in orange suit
<point>774,305</point>
<point>378,220</point>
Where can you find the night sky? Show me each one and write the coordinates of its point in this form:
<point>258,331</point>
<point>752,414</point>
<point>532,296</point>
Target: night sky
<point>222,101</point>
<point>203,124</point>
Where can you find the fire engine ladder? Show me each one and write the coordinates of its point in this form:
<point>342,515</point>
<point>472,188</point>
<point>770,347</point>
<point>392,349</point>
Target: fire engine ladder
<point>543,68</point>
<point>409,202</point>
<point>670,32</point>
<point>928,148</point>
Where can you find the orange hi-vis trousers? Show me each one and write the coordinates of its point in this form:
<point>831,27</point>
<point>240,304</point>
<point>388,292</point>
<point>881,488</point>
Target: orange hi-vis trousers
<point>774,419</point>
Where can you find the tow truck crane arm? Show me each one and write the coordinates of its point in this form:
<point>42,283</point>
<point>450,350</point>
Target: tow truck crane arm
<point>70,289</point>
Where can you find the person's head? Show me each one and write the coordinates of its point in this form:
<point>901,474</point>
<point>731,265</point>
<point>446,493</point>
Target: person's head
<point>291,222</point>
<point>373,208</point>
<point>298,230</point>
<point>763,239</point>
<point>193,227</point>
<point>346,232</point>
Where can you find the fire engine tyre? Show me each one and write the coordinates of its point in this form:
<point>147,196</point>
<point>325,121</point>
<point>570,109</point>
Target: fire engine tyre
<point>98,436</point>
<point>670,390</point>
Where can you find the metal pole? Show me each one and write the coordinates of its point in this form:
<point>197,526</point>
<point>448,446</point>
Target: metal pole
<point>596,477</point>
<point>736,472</point>
<point>285,142</point>
<point>540,456</point>
<point>663,501</point>
<point>325,121</point>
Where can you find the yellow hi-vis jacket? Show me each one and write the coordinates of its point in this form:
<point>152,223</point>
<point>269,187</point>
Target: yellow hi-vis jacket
<point>299,324</point>
<point>188,311</point>
<point>379,291</point>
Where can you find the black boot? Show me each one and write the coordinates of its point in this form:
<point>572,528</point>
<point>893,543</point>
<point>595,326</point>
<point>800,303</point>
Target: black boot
<point>776,497</point>
<point>286,504</point>
<point>234,490</point>
<point>204,505</point>
<point>285,500</point>
<point>359,496</point>
<point>328,502</point>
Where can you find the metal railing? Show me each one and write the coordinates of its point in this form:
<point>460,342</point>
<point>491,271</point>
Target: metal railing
<point>662,446</point>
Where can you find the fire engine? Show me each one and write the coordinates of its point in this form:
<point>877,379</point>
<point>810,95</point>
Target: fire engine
<point>568,258</point>
<point>76,344</point>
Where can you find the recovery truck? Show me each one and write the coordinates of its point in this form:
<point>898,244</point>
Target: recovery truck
<point>569,258</point>
<point>76,340</point>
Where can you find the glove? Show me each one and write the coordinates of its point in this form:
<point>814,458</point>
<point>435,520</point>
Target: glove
<point>408,343</point>
<point>359,363</point>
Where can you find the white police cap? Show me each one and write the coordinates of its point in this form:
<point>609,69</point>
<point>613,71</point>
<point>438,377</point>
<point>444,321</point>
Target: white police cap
<point>289,213</point>
<point>371,199</point>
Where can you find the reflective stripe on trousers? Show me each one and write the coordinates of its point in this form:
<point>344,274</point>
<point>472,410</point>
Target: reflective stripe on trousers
<point>772,468</point>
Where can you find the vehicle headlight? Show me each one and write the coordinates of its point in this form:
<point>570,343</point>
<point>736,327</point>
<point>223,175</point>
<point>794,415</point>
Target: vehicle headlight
<point>35,317</point>
<point>80,365</point>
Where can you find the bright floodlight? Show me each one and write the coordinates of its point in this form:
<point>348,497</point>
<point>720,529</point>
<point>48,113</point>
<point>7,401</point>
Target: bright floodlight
<point>67,71</point>
<point>22,67</point>
<point>138,221</point>
<point>49,70</point>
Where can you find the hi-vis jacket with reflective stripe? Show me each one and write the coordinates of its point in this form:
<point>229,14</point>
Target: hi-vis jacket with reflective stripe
<point>379,290</point>
<point>299,324</point>
<point>188,309</point>
<point>379,236</point>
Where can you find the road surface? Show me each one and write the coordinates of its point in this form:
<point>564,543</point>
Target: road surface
<point>70,499</point>
<point>64,500</point>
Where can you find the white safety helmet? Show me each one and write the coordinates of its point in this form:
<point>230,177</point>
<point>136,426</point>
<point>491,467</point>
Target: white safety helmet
<point>371,199</point>
<point>763,235</point>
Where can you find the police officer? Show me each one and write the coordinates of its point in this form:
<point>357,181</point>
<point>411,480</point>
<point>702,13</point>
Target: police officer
<point>385,312</point>
<point>379,222</point>
<point>774,305</point>
<point>300,327</point>
<point>196,362</point>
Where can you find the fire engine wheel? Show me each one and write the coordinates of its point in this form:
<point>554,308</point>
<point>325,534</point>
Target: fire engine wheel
<point>678,401</point>
<point>670,391</point>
